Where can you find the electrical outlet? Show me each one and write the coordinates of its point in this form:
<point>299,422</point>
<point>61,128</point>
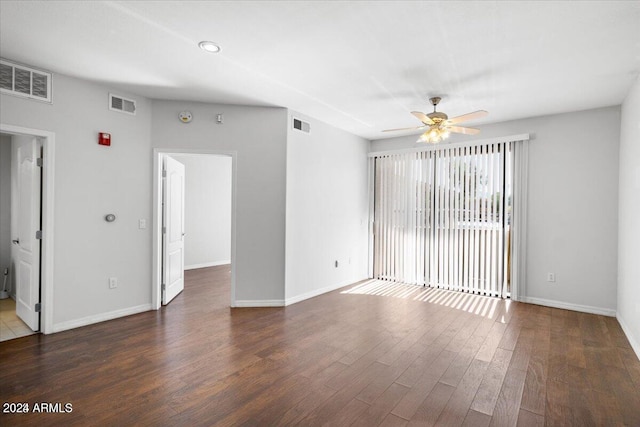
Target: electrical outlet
<point>142,224</point>
<point>113,282</point>
<point>551,277</point>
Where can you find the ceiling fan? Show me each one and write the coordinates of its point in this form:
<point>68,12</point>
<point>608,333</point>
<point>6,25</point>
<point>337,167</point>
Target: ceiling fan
<point>439,125</point>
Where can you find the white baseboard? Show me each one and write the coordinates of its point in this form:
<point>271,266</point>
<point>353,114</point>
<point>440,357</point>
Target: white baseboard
<point>632,340</point>
<point>569,306</point>
<point>89,320</point>
<point>320,291</point>
<point>207,264</point>
<point>260,303</point>
<point>293,300</point>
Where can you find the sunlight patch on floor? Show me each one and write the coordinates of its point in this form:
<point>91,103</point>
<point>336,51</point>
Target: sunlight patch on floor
<point>471,303</point>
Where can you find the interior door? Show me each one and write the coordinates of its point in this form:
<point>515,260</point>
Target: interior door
<point>173,229</point>
<point>26,245</point>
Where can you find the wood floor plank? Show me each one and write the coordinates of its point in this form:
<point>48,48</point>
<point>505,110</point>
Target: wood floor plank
<point>347,415</point>
<point>398,355</point>
<point>476,419</point>
<point>463,359</point>
<point>393,421</point>
<point>533,395</point>
<point>409,404</point>
<point>487,395</point>
<point>522,351</point>
<point>429,410</point>
<point>460,402</point>
<point>490,345</point>
<point>318,394</point>
<point>507,407</point>
<point>325,412</point>
<point>529,419</point>
<point>382,406</point>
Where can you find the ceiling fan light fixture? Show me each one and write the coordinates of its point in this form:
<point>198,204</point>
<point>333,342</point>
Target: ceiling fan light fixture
<point>208,46</point>
<point>434,135</point>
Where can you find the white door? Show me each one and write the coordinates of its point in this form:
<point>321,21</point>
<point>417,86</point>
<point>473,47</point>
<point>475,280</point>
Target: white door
<point>26,246</point>
<point>173,229</point>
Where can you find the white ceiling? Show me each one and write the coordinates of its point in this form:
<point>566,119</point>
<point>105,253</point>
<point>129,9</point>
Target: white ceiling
<point>360,66</point>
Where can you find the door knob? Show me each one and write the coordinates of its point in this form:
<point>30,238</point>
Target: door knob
<point>16,242</point>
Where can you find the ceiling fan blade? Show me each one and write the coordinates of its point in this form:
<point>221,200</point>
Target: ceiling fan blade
<point>466,131</point>
<point>411,128</point>
<point>422,117</point>
<point>466,117</point>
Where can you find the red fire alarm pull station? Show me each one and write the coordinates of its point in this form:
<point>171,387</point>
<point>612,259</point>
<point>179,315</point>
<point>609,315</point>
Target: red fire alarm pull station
<point>104,139</point>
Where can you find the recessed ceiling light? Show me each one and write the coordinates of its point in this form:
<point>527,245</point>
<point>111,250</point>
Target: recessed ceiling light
<point>209,47</point>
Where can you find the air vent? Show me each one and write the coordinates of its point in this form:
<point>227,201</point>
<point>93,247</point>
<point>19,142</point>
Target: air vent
<point>301,126</point>
<point>23,81</point>
<point>122,105</point>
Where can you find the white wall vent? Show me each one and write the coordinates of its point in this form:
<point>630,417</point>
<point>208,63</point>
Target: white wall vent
<point>122,105</point>
<point>301,126</point>
<point>23,81</point>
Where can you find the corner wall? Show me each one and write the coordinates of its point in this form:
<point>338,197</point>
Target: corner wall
<point>259,136</point>
<point>327,209</point>
<point>90,182</point>
<point>629,219</point>
<point>572,208</point>
<point>5,206</point>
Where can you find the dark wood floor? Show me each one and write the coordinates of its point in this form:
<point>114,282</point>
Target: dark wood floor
<point>365,355</point>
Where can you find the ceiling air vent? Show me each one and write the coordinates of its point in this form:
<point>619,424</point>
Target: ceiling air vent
<point>301,126</point>
<point>122,105</point>
<point>23,81</point>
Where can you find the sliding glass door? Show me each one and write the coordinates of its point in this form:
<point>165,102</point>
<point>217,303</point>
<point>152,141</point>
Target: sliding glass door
<point>443,217</point>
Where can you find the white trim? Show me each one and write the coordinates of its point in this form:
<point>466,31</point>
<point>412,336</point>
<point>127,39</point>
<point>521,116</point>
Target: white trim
<point>371,177</point>
<point>435,147</point>
<point>569,306</point>
<point>260,303</point>
<point>97,318</point>
<point>207,264</point>
<point>158,154</point>
<point>632,340</point>
<point>48,169</point>
<point>519,220</point>
<point>321,291</point>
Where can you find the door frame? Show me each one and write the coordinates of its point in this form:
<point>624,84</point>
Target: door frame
<point>47,206</point>
<point>158,155</point>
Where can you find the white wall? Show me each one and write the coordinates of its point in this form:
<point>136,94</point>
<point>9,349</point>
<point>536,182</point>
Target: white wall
<point>5,204</point>
<point>572,208</point>
<point>327,209</point>
<point>259,136</point>
<point>629,219</point>
<point>91,181</point>
<point>207,210</point>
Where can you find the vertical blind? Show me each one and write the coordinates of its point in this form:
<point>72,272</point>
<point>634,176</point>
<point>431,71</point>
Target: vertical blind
<point>444,217</point>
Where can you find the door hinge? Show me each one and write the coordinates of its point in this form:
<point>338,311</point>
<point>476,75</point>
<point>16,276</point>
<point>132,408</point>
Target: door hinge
<point>164,230</point>
<point>164,173</point>
<point>163,287</point>
<point>39,162</point>
<point>38,307</point>
<point>39,234</point>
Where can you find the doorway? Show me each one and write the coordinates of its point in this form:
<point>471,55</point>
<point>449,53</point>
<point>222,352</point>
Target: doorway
<point>194,217</point>
<point>26,230</point>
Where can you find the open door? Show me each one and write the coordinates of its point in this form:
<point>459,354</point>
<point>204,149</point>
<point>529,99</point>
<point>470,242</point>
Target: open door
<point>26,230</point>
<point>173,229</point>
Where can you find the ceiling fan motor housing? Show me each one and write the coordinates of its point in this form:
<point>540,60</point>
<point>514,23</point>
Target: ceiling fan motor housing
<point>437,116</point>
